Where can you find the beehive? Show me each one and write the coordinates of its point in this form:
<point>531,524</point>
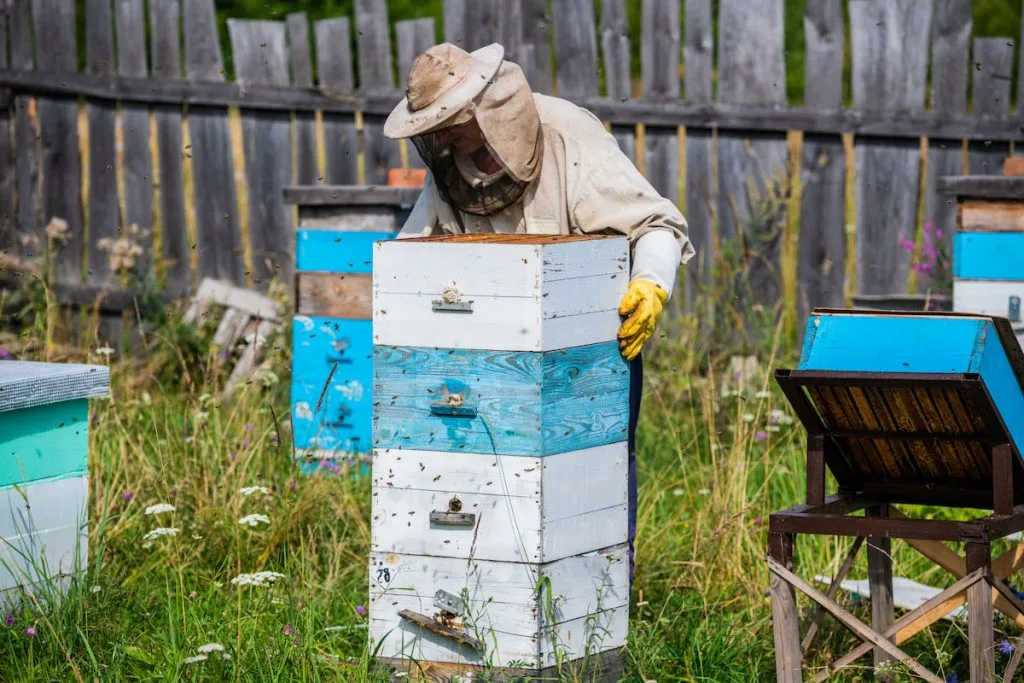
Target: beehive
<point>988,277</point>
<point>332,344</point>
<point>44,446</point>
<point>499,516</point>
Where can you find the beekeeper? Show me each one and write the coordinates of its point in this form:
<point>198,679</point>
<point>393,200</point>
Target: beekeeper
<point>503,159</point>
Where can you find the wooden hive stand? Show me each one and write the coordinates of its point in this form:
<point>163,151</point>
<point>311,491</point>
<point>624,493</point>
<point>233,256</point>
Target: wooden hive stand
<point>905,408</point>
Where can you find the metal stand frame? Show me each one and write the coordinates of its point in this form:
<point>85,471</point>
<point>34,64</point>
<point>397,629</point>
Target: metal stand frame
<point>981,579</point>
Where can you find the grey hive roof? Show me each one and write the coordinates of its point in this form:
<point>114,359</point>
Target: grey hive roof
<point>26,384</point>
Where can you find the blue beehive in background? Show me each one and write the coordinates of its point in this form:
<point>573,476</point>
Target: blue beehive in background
<point>332,342</point>
<point>44,482</point>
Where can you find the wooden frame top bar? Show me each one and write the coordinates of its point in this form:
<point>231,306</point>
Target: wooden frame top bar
<point>982,186</point>
<point>351,195</point>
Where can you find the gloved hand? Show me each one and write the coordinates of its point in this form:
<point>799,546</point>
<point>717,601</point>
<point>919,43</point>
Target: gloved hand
<point>642,304</point>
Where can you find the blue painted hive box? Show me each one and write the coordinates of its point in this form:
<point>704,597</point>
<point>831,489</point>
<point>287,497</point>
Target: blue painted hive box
<point>940,387</point>
<point>332,366</point>
<point>44,447</point>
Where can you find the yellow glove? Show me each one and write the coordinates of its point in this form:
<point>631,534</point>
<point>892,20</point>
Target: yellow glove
<point>642,304</point>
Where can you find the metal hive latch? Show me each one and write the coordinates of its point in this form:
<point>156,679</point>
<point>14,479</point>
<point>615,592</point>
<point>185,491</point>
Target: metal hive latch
<point>446,622</point>
<point>451,301</point>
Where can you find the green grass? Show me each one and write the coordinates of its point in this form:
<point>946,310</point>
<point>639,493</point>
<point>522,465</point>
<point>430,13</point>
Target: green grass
<point>712,466</point>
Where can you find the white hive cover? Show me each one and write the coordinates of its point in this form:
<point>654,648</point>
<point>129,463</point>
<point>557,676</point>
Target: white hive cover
<point>26,384</point>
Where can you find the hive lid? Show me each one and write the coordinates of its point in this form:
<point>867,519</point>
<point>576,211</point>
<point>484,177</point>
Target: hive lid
<point>26,384</point>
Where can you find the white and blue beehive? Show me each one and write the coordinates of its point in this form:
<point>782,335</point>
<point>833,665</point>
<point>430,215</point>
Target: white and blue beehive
<point>332,366</point>
<point>988,272</point>
<point>499,474</point>
<point>44,448</point>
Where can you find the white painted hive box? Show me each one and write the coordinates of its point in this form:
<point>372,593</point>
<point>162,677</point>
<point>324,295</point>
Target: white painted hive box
<point>44,445</point>
<point>500,458</point>
<point>485,292</point>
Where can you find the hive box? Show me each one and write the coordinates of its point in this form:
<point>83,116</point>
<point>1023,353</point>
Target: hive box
<point>44,446</point>
<point>499,474</point>
<point>332,367</point>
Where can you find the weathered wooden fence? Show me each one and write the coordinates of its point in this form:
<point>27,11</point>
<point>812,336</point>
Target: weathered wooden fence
<point>156,136</point>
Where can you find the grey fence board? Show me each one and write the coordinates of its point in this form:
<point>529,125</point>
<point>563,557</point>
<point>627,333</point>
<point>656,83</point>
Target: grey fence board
<point>26,136</point>
<point>890,60</point>
<point>510,28</point>
<point>821,272</point>
<point>218,238</point>
<point>165,42</point>
<point>950,53</point>
<point>535,51</point>
<point>454,16</point>
<point>660,68</point>
<point>138,166</point>
<point>261,56</point>
<point>104,213</point>
<point>54,23</point>
<point>577,48</point>
<point>618,82</point>
<point>471,24</point>
<point>752,171</point>
<point>993,67</point>
<point>334,64</point>
<point>375,74</point>
<point>307,165</point>
<point>9,237</point>
<point>414,37</point>
<point>698,54</point>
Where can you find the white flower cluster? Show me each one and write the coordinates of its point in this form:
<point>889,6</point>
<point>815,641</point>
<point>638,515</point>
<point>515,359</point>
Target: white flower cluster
<point>254,520</point>
<point>249,490</point>
<point>205,651</point>
<point>257,578</point>
<point>161,531</point>
<point>159,508</point>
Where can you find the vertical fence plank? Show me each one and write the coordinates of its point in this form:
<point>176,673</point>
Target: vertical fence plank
<point>660,66</point>
<point>165,36</point>
<point>993,67</point>
<point>535,50</point>
<point>618,80</point>
<point>455,22</point>
<point>414,38</point>
<point>334,65</point>
<point>26,136</point>
<point>379,152</point>
<point>103,203</point>
<point>138,167</point>
<point>9,237</point>
<point>306,172</point>
<point>217,226</point>
<point>698,54</point>
<point>752,172</point>
<point>510,28</point>
<point>471,24</point>
<point>261,58</point>
<point>950,48</point>
<point>890,64</point>
<point>821,263</point>
<point>577,48</point>
<point>55,33</point>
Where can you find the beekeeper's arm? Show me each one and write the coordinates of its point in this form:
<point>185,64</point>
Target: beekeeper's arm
<point>612,195</point>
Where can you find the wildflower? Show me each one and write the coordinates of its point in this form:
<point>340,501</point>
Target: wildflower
<point>105,351</point>
<point>127,496</point>
<point>763,394</point>
<point>30,631</point>
<point>361,610</point>
<point>274,438</point>
<point>1005,646</point>
<point>248,426</point>
<point>232,456</point>
<point>249,490</point>
<point>5,353</point>
<point>254,520</point>
<point>760,436</point>
<point>161,531</point>
<point>288,630</point>
<point>97,589</point>
<point>292,485</point>
<point>246,443</point>
<point>57,230</point>
<point>678,492</point>
<point>158,508</point>
<point>267,378</point>
<point>257,578</point>
<point>196,659</point>
<point>210,647</point>
<point>748,417</point>
<point>9,620</point>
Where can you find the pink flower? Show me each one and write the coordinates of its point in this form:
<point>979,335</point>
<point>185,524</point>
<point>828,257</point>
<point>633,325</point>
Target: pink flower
<point>5,353</point>
<point>361,610</point>
<point>288,630</point>
<point>292,485</point>
<point>9,620</point>
<point>127,496</point>
<point>30,631</point>
<point>248,426</point>
<point>760,436</point>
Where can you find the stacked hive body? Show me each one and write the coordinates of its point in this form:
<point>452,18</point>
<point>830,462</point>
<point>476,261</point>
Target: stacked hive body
<point>988,273</point>
<point>499,518</point>
<point>332,331</point>
<point>44,445</point>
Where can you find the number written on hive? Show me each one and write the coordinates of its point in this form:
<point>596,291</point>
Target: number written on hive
<point>384,571</point>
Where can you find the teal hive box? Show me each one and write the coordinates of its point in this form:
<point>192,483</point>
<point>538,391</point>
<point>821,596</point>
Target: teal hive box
<point>44,448</point>
<point>332,342</point>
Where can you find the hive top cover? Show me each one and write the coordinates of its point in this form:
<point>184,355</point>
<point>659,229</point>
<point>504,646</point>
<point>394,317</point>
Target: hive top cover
<point>26,384</point>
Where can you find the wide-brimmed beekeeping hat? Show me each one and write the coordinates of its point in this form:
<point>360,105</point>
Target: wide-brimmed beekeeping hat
<point>442,82</point>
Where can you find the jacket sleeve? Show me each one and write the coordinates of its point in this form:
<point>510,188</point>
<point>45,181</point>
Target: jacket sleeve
<point>422,220</point>
<point>608,194</point>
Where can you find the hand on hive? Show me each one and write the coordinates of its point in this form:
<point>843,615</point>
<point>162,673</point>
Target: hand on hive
<point>641,308</point>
